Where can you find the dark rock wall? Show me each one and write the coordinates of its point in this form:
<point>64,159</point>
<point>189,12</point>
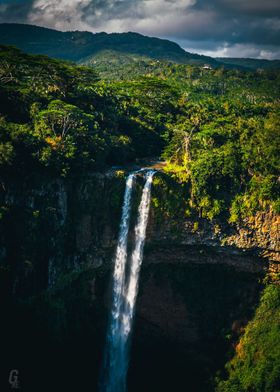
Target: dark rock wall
<point>199,283</point>
<point>49,227</point>
<point>188,317</point>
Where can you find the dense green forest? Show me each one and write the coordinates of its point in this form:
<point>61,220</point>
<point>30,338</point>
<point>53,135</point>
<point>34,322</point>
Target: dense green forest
<point>217,129</point>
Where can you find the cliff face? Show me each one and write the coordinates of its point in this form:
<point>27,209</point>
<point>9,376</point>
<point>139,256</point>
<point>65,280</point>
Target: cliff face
<point>258,236</point>
<point>54,227</point>
<point>188,316</point>
<point>198,287</point>
<point>57,238</point>
<point>259,233</point>
<point>59,226</point>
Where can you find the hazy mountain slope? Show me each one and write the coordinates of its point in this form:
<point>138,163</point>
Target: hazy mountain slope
<point>249,63</point>
<point>78,45</point>
<point>84,47</point>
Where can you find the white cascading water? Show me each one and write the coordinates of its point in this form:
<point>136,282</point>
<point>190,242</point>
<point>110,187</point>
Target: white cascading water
<point>124,295</point>
<point>110,369</point>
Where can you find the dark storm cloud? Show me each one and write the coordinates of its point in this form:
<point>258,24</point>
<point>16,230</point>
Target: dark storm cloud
<point>14,11</point>
<point>249,7</point>
<point>211,26</point>
<point>113,9</point>
<point>239,21</point>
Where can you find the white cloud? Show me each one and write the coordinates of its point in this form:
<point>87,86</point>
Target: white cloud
<point>163,7</point>
<point>109,15</point>
<point>174,24</point>
<point>217,27</point>
<point>239,50</point>
<point>62,14</point>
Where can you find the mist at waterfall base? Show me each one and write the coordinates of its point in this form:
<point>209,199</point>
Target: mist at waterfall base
<point>125,287</point>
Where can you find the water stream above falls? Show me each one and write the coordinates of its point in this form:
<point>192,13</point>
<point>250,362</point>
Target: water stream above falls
<point>125,287</point>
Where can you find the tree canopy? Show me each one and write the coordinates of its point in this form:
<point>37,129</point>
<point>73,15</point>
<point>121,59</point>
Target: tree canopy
<point>217,129</point>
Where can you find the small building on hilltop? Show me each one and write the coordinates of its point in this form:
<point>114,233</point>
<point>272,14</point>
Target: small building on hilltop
<point>206,66</point>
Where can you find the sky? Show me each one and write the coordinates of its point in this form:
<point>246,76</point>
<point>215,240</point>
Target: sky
<point>223,28</point>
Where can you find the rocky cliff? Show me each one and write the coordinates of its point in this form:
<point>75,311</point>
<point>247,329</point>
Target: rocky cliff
<point>199,285</point>
<point>67,225</point>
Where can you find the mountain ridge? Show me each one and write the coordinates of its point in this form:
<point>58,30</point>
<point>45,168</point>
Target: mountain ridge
<point>78,46</point>
<point>249,63</point>
<point>75,45</point>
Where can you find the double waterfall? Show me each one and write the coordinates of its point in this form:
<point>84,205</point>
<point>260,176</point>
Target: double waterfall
<point>125,287</point>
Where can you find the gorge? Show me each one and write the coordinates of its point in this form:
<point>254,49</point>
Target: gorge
<point>195,296</point>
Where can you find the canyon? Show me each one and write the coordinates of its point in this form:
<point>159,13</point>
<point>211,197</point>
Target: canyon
<point>199,284</point>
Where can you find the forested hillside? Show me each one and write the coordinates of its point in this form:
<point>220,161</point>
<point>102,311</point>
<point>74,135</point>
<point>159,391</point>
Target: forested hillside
<point>250,63</point>
<point>217,129</point>
<point>60,117</point>
<point>77,45</point>
<point>83,46</point>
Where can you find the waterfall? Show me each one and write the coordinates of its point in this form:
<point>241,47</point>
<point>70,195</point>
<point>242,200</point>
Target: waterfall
<point>137,255</point>
<point>125,290</point>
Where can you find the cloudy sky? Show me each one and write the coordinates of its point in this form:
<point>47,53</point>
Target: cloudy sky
<point>235,28</point>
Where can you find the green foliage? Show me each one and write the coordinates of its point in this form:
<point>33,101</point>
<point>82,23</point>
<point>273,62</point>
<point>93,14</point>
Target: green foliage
<point>218,129</point>
<point>262,192</point>
<point>256,364</point>
<point>6,153</point>
<point>168,200</point>
<point>59,118</point>
<point>230,158</point>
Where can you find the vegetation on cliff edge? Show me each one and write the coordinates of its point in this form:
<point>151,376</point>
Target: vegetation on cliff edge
<point>256,364</point>
<point>219,130</point>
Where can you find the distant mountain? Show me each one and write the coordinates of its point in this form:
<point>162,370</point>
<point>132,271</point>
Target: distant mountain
<point>83,47</point>
<point>77,45</point>
<point>249,63</point>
